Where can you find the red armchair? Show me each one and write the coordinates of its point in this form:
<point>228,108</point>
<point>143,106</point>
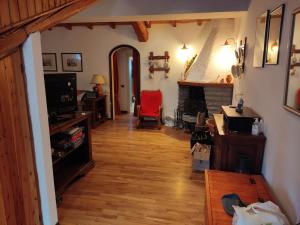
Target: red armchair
<point>151,107</point>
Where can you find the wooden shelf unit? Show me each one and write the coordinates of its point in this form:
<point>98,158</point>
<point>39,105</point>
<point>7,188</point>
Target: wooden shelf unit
<point>97,106</point>
<point>74,162</point>
<point>203,84</point>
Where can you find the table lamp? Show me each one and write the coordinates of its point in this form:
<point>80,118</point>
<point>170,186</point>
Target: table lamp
<point>98,80</point>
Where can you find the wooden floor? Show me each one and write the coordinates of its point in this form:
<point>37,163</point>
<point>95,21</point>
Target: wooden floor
<point>142,177</point>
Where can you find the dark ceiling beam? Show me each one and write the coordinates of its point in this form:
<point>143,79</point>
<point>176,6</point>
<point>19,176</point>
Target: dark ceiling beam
<point>148,24</point>
<point>91,27</point>
<point>112,25</point>
<point>141,31</point>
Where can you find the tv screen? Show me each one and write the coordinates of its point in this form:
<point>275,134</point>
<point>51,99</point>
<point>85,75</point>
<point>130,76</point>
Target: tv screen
<point>61,93</point>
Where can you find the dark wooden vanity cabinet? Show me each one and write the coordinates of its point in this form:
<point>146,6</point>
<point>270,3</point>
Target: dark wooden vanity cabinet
<point>237,152</point>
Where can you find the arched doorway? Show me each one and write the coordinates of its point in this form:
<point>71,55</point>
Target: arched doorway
<point>124,75</point>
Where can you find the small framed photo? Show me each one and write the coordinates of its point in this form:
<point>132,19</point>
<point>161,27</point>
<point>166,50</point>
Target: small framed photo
<point>49,62</point>
<point>71,62</point>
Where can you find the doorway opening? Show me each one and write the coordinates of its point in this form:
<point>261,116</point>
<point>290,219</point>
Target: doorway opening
<point>124,64</point>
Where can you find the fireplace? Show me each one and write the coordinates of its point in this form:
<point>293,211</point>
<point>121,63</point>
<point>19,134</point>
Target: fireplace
<point>207,97</point>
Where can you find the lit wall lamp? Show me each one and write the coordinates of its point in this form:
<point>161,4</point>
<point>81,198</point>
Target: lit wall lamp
<point>227,55</point>
<point>226,43</point>
<point>238,64</point>
<point>184,47</point>
<point>184,53</point>
<point>188,56</point>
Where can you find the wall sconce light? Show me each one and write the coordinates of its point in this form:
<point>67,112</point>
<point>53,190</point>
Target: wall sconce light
<point>184,47</point>
<point>184,53</point>
<point>227,56</point>
<point>227,44</point>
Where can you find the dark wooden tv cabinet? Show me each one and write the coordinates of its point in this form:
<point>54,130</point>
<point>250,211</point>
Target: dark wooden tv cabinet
<point>72,163</point>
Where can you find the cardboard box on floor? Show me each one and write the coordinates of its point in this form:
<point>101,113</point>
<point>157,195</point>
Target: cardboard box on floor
<point>201,155</point>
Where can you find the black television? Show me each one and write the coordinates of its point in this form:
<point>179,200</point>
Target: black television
<point>61,93</point>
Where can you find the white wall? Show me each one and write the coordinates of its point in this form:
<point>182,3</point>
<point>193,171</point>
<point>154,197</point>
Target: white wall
<point>40,128</point>
<point>263,90</point>
<point>96,44</point>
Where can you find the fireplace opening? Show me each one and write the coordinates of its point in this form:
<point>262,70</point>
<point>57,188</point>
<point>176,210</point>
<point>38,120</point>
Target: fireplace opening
<point>194,97</point>
<point>191,104</point>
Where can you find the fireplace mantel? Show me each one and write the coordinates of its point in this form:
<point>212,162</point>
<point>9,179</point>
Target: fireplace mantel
<point>204,84</point>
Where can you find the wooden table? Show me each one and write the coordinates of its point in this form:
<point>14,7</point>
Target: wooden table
<point>219,183</point>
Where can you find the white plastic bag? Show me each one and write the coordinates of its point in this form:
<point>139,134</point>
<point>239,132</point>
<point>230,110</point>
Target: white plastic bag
<point>266,213</point>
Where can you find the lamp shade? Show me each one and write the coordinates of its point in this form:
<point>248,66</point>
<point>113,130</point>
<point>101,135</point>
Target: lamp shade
<point>98,79</point>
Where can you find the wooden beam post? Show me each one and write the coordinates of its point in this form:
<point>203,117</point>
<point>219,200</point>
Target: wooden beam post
<point>90,26</point>
<point>148,24</point>
<point>141,31</point>
<point>69,27</point>
<point>112,25</point>
<point>173,23</point>
<point>12,41</point>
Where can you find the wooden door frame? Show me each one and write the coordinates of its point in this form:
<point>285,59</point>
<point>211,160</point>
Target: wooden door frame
<point>111,75</point>
<point>20,198</point>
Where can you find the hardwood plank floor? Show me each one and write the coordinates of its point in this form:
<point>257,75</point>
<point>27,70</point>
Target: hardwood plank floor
<point>142,177</point>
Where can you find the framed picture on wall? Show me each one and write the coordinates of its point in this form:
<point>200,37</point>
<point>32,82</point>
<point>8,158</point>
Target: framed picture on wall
<point>49,62</point>
<point>261,39</point>
<point>71,62</point>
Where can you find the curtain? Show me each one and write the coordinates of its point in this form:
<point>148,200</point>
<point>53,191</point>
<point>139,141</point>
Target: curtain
<point>136,79</point>
<point>116,84</point>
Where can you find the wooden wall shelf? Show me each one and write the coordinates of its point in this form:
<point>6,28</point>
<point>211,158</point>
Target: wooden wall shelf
<point>204,84</point>
<point>295,65</point>
<point>153,67</point>
<point>159,57</point>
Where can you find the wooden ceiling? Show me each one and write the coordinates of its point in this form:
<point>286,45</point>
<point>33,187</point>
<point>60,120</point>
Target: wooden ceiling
<point>20,18</point>
<point>140,27</point>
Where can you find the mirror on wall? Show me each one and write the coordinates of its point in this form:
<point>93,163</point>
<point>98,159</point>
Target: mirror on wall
<point>274,35</point>
<point>292,92</point>
<point>260,40</point>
